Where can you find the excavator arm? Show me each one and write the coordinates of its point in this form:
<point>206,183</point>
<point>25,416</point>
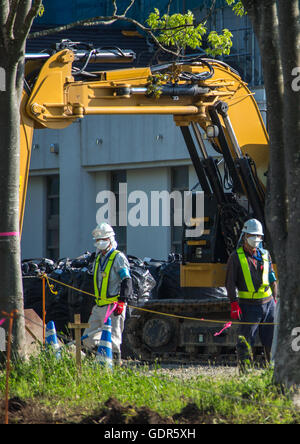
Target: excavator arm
<point>206,98</point>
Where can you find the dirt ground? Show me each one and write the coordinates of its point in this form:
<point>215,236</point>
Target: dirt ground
<point>112,412</point>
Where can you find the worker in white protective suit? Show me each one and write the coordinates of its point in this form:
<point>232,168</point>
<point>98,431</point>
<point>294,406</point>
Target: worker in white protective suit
<point>112,286</point>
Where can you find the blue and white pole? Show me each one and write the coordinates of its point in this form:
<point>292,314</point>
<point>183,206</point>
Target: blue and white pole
<point>104,353</point>
<point>51,338</point>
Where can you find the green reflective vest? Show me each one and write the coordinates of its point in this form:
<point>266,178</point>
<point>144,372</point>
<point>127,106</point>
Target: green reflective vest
<point>264,290</point>
<point>102,296</point>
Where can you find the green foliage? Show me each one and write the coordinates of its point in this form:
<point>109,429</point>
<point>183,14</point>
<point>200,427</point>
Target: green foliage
<point>155,83</point>
<point>220,43</point>
<point>41,10</point>
<point>177,29</point>
<point>180,31</point>
<point>52,382</point>
<point>157,80</point>
<point>237,7</point>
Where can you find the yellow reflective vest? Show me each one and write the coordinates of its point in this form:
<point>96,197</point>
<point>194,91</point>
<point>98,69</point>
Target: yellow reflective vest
<point>264,290</point>
<point>102,296</point>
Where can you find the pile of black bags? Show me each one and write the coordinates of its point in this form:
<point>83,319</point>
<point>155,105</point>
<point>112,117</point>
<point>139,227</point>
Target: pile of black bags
<point>64,301</point>
<point>152,279</point>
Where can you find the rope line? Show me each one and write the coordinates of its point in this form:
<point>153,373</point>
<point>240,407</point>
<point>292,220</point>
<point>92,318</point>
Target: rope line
<point>213,321</point>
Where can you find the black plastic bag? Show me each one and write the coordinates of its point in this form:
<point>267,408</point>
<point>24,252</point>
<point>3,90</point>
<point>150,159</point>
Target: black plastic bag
<point>142,280</point>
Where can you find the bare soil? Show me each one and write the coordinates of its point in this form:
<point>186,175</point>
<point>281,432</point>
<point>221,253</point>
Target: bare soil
<point>112,412</point>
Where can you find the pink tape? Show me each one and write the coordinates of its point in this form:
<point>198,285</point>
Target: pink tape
<point>109,311</point>
<point>2,320</point>
<point>9,233</point>
<point>224,328</point>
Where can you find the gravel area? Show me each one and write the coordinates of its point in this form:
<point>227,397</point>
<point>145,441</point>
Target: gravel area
<point>189,371</point>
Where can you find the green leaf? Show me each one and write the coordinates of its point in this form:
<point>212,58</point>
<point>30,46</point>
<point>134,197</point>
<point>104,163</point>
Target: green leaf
<point>41,10</point>
<point>237,7</point>
<point>219,43</point>
<point>179,31</point>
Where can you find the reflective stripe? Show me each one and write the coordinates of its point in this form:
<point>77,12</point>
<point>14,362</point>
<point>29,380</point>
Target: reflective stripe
<point>264,290</point>
<point>102,298</point>
<point>256,295</point>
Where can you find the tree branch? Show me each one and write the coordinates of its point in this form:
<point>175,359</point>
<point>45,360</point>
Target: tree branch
<point>128,7</point>
<point>11,17</point>
<point>169,6</point>
<point>28,19</point>
<point>101,20</point>
<point>23,7</point>
<point>211,10</point>
<point>4,11</point>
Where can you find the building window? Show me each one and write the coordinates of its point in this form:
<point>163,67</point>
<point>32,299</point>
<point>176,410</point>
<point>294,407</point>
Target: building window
<point>179,182</point>
<point>52,227</point>
<point>118,177</point>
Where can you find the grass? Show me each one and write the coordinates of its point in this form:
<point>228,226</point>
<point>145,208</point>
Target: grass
<point>52,382</point>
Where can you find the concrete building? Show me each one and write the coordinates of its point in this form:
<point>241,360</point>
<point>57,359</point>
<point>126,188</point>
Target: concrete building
<point>69,168</point>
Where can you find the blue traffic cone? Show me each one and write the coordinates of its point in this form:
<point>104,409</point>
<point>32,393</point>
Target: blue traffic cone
<point>104,353</point>
<point>51,338</point>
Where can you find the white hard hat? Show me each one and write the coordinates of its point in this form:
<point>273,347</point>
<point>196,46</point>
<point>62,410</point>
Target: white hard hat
<point>253,226</point>
<point>103,231</point>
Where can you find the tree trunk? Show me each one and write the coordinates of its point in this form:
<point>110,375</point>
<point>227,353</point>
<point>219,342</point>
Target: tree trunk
<point>287,357</point>
<point>15,22</point>
<point>277,30</point>
<point>11,293</point>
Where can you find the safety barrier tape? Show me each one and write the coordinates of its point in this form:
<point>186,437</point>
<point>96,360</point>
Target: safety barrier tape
<point>214,321</point>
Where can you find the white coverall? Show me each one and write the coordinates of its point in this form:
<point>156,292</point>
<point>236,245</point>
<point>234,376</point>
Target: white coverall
<point>120,270</point>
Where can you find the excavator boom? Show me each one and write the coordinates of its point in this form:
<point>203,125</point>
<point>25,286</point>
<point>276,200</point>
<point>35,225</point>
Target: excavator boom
<point>206,97</point>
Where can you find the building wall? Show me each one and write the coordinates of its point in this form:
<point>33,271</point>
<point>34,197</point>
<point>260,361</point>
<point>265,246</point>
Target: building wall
<point>147,240</point>
<point>33,235</point>
<point>145,146</point>
<point>58,12</point>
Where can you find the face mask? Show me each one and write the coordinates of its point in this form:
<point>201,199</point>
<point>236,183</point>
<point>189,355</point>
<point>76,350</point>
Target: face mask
<point>254,241</point>
<point>102,245</point>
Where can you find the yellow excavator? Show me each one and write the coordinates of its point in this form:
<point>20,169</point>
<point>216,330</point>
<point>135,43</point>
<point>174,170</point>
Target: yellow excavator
<point>208,99</point>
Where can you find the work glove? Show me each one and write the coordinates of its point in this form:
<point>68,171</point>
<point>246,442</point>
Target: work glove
<point>119,308</point>
<point>236,311</point>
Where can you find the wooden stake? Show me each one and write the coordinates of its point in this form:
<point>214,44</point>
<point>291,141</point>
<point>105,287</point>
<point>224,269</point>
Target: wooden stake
<point>78,326</point>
